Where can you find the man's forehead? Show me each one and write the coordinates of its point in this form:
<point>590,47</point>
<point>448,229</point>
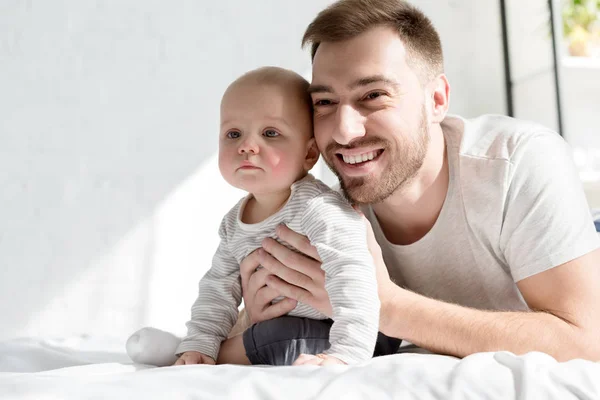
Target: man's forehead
<point>355,62</point>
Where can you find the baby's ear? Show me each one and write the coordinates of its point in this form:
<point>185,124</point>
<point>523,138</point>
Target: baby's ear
<point>312,154</point>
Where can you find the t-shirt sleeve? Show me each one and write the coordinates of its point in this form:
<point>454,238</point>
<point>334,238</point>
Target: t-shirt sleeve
<point>339,235</point>
<point>215,311</point>
<point>547,221</point>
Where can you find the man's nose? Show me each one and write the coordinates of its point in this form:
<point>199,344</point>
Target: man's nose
<point>350,125</point>
<point>248,146</point>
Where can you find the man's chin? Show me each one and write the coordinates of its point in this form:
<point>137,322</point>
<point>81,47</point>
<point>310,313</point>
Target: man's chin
<point>364,191</point>
<point>359,193</point>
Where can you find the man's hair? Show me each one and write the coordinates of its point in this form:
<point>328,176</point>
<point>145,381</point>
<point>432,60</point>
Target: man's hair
<point>346,19</point>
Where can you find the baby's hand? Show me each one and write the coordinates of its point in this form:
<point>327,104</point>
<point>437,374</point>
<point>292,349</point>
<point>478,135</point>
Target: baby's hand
<point>194,357</point>
<point>319,359</point>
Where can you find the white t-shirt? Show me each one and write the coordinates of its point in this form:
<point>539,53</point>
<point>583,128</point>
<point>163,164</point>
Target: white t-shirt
<point>515,207</point>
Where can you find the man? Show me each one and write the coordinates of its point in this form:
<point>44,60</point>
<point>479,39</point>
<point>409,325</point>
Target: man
<point>484,241</point>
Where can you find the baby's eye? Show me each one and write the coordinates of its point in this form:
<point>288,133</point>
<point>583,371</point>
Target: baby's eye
<point>233,134</point>
<point>270,133</point>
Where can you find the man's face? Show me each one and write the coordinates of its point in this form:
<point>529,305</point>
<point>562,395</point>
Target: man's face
<point>370,120</point>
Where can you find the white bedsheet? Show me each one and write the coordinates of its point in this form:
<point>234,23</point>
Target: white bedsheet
<point>91,368</point>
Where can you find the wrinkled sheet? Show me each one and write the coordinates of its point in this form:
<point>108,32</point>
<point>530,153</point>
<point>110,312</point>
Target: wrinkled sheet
<point>93,368</point>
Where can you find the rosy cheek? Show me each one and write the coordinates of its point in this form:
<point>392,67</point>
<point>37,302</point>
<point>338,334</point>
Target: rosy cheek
<point>279,164</point>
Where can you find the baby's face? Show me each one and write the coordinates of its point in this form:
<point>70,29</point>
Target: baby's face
<point>264,138</point>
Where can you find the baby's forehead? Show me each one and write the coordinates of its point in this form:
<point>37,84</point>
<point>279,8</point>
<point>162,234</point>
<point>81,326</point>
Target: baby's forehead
<point>256,94</point>
<point>258,87</point>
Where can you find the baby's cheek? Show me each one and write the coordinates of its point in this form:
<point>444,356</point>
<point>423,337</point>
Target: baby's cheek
<point>226,165</point>
<point>282,167</point>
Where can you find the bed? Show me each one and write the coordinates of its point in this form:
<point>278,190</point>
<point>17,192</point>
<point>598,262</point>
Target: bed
<point>87,367</point>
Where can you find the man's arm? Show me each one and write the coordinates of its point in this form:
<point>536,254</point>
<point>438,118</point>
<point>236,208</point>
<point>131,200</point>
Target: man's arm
<point>564,323</point>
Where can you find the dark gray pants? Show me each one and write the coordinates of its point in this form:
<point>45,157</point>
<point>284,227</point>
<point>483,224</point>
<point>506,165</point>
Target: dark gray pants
<point>280,341</point>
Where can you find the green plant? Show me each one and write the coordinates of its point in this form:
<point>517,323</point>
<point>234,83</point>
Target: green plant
<point>581,25</point>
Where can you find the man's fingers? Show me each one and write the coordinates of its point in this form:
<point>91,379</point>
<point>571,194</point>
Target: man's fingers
<point>265,296</point>
<point>278,309</point>
<point>287,264</point>
<point>179,361</point>
<point>248,267</point>
<point>289,291</point>
<point>256,281</point>
<point>297,241</point>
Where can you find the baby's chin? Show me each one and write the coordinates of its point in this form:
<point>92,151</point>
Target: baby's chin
<point>258,185</point>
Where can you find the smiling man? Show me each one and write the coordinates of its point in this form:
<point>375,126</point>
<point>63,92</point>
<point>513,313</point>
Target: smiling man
<point>480,228</point>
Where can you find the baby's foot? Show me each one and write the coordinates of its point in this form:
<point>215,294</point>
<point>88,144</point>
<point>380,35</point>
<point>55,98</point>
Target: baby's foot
<point>153,347</point>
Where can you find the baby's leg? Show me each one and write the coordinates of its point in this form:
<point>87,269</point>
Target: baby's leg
<point>232,352</point>
<point>280,341</point>
<point>153,347</point>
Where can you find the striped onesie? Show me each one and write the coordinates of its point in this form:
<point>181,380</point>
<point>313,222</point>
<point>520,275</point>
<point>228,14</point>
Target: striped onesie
<point>339,235</point>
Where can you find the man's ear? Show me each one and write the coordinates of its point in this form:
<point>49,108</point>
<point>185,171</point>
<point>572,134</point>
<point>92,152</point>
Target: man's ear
<point>312,154</point>
<point>440,94</point>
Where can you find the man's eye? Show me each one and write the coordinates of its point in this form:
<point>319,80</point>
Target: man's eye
<point>271,133</point>
<point>374,95</point>
<point>323,102</point>
<point>233,134</point>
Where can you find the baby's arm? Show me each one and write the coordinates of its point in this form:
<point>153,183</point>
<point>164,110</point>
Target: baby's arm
<point>215,310</point>
<point>339,234</point>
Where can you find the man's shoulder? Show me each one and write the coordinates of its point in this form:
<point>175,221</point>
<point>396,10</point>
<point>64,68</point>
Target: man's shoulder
<point>494,137</point>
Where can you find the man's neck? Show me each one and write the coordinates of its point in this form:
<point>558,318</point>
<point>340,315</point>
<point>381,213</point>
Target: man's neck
<point>407,215</point>
<point>261,206</point>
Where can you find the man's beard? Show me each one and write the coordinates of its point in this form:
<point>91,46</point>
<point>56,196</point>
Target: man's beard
<point>404,165</point>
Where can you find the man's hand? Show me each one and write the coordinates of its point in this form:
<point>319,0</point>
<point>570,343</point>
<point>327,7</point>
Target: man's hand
<point>294,275</point>
<point>257,295</point>
<point>298,277</point>
<point>194,357</point>
<point>319,359</point>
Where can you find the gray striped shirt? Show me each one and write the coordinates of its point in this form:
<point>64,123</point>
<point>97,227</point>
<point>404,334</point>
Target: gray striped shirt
<point>339,235</point>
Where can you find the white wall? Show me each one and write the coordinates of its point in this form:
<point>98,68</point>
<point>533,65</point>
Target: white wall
<point>580,86</point>
<point>472,39</point>
<point>110,196</point>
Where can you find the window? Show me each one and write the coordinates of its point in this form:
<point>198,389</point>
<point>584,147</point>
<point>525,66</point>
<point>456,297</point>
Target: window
<point>581,27</point>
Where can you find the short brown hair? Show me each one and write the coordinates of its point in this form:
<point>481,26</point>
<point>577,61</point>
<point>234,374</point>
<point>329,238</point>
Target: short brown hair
<point>346,19</point>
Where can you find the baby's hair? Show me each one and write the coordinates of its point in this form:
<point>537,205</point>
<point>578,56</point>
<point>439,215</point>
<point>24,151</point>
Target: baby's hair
<point>281,77</point>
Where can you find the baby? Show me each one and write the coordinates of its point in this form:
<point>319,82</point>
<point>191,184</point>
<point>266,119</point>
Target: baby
<point>266,147</point>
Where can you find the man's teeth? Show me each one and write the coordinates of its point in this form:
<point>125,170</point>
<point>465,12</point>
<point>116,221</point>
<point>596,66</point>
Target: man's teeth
<point>360,158</point>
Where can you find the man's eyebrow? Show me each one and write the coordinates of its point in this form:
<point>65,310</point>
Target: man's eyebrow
<point>367,80</point>
<point>319,89</point>
<point>373,79</point>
